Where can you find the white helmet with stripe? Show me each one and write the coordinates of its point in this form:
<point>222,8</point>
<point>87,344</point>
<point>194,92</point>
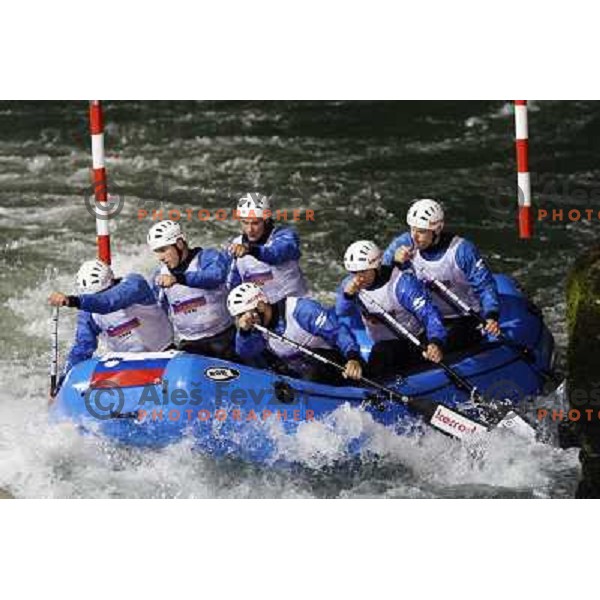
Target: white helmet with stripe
<point>362,256</point>
<point>254,205</point>
<point>426,214</point>
<point>94,276</point>
<point>244,297</point>
<point>164,233</point>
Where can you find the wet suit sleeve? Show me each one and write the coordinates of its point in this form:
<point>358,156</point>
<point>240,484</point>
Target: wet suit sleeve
<point>347,307</point>
<point>283,246</point>
<point>480,278</point>
<point>323,323</point>
<point>133,289</point>
<point>213,268</point>
<point>388,255</point>
<point>413,296</point>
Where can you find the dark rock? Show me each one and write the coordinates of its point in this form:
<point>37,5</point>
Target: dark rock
<point>583,362</point>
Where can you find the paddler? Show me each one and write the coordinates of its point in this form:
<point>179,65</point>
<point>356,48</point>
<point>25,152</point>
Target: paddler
<point>191,283</point>
<point>123,312</point>
<point>302,320</point>
<point>264,254</point>
<point>435,254</point>
<point>371,287</point>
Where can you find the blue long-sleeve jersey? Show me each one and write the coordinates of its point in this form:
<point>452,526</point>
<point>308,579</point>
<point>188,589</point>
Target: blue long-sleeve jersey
<point>132,289</point>
<point>469,261</point>
<point>310,316</point>
<point>410,294</point>
<point>280,247</point>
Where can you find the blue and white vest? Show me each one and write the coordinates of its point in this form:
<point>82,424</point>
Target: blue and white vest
<point>447,271</point>
<point>293,331</point>
<point>386,297</point>
<point>196,312</point>
<point>137,328</point>
<point>277,281</point>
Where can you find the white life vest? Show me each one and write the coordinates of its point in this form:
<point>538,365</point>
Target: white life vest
<point>196,312</point>
<point>385,296</point>
<point>447,271</point>
<point>137,328</point>
<point>277,281</point>
<point>296,333</point>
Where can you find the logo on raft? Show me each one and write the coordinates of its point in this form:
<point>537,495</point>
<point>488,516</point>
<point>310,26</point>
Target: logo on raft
<point>452,422</point>
<point>221,373</point>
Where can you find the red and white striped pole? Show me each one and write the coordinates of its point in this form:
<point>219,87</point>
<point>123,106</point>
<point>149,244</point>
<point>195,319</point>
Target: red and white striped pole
<point>99,176</point>
<point>523,179</point>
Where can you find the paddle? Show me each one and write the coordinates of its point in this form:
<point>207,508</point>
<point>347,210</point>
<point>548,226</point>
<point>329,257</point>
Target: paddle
<point>399,329</point>
<point>54,353</point>
<point>460,381</point>
<point>446,420</point>
<point>524,352</point>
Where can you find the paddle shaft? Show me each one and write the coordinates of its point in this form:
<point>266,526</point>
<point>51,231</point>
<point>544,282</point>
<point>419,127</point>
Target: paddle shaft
<point>525,353</point>
<point>437,415</point>
<point>502,417</point>
<point>324,360</point>
<point>54,352</point>
<point>399,329</point>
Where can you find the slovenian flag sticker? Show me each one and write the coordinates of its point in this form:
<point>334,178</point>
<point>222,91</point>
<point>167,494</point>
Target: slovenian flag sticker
<point>128,373</point>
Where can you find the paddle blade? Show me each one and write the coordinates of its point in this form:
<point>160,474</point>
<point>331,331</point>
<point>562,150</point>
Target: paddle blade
<point>517,425</point>
<point>455,424</point>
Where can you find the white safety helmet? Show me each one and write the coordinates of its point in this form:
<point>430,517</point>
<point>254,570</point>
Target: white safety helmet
<point>164,233</point>
<point>254,205</point>
<point>362,256</point>
<point>243,298</point>
<point>94,276</point>
<point>426,214</point>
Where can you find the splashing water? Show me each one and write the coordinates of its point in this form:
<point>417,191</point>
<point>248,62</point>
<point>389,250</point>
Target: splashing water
<point>358,165</point>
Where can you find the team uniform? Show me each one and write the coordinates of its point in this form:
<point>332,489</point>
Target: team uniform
<point>272,263</point>
<point>306,322</point>
<point>197,303</point>
<point>126,316</point>
<point>402,296</point>
<point>455,262</point>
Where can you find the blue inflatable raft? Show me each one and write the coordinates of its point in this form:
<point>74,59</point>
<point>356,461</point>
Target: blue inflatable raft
<point>227,409</point>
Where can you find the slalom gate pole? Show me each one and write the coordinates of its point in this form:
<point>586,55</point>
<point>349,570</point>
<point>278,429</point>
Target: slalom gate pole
<point>99,178</point>
<point>525,218</point>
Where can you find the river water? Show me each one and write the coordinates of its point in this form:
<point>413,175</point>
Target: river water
<point>356,165</point>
